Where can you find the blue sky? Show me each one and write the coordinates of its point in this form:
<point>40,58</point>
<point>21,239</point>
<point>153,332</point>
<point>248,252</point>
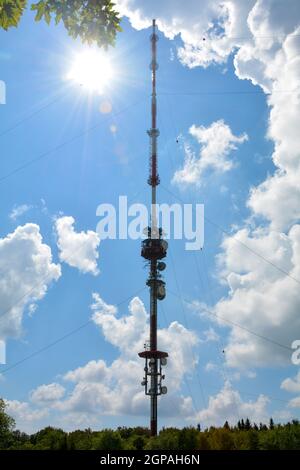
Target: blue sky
<point>100,165</point>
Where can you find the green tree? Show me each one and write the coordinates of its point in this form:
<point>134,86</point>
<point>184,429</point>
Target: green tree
<point>79,440</point>
<point>188,439</point>
<point>263,427</point>
<point>93,21</point>
<point>241,440</point>
<point>221,439</point>
<point>108,440</point>
<point>253,440</point>
<point>126,433</point>
<point>49,438</point>
<point>7,424</point>
<point>138,443</point>
<point>203,442</point>
<point>168,439</point>
<point>247,424</point>
<point>20,441</point>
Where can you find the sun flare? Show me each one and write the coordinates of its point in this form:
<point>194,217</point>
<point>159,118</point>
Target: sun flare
<point>92,70</point>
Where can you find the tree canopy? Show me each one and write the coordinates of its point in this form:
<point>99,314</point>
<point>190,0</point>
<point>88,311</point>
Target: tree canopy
<point>244,436</point>
<point>93,21</point>
<point>6,426</point>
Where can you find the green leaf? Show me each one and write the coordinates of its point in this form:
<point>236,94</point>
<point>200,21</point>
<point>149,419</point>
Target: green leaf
<point>11,12</point>
<point>58,18</point>
<point>47,17</point>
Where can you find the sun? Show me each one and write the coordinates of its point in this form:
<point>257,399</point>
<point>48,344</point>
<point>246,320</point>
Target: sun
<point>92,70</point>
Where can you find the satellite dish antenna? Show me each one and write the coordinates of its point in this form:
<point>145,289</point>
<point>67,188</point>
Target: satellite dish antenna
<point>161,266</point>
<point>161,292</point>
<point>164,390</point>
<point>163,361</point>
<point>164,244</point>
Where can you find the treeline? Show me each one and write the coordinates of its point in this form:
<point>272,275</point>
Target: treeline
<point>244,436</point>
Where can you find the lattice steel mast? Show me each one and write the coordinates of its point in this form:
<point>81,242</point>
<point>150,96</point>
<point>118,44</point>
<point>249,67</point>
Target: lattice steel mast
<point>154,249</point>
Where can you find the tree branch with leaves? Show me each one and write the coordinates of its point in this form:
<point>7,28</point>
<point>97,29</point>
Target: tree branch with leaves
<point>93,21</point>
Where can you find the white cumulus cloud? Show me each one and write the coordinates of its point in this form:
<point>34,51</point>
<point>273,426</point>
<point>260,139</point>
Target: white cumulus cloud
<point>78,249</point>
<point>216,143</point>
<point>292,385</point>
<point>47,393</point>
<point>17,211</point>
<point>93,371</point>
<point>263,298</point>
<point>25,415</point>
<point>227,405</point>
<point>27,271</point>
